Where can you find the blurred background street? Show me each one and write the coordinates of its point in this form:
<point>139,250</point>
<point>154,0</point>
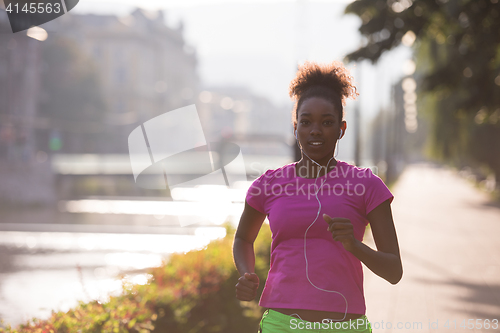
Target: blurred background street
<point>76,225</point>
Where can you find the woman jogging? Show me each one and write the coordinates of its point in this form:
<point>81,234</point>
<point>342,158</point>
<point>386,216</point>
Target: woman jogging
<point>318,209</point>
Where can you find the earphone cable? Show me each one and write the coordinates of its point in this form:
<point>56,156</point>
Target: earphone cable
<point>305,234</point>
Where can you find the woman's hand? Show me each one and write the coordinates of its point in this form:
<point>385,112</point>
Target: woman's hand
<point>342,231</point>
<point>246,288</point>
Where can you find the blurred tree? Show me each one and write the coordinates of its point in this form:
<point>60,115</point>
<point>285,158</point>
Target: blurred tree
<point>71,98</point>
<point>457,50</point>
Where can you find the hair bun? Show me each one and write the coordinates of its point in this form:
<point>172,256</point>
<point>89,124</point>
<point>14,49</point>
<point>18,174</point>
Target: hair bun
<point>333,76</point>
<point>331,81</point>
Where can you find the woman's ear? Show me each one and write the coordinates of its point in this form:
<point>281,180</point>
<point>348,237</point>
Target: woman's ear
<point>343,127</point>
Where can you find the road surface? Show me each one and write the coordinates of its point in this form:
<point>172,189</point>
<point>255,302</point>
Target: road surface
<point>448,234</point>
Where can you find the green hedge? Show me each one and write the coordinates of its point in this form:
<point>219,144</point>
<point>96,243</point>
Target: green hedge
<point>191,293</point>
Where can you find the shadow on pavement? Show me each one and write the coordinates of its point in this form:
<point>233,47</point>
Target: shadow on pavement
<point>479,299</point>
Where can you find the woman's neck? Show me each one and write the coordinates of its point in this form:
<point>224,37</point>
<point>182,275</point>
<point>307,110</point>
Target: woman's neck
<point>305,168</point>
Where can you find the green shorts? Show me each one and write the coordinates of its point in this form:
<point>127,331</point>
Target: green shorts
<point>276,322</point>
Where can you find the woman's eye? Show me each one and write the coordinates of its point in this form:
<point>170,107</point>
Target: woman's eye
<point>328,122</point>
<point>304,122</point>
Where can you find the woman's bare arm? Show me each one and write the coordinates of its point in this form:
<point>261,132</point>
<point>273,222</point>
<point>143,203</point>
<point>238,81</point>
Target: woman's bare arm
<point>243,252</point>
<point>386,261</point>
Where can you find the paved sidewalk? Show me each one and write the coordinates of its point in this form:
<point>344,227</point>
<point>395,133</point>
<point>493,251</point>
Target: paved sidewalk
<point>449,236</point>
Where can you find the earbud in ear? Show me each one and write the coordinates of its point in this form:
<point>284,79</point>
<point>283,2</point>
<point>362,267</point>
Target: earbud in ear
<point>341,132</point>
<point>296,135</point>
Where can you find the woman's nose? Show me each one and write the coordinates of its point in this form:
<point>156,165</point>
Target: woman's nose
<point>315,130</point>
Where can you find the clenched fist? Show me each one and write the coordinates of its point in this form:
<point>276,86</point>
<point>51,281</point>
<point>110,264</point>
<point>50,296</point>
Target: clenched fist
<point>342,231</point>
<point>246,288</point>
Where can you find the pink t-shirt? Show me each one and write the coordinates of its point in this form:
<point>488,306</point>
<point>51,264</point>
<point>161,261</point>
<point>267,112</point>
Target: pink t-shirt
<point>290,203</point>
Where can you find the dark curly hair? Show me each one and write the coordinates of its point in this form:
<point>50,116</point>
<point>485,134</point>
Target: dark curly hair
<point>332,82</point>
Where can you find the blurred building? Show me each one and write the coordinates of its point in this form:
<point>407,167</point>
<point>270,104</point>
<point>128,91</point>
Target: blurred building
<point>25,175</point>
<point>144,68</point>
<point>83,90</point>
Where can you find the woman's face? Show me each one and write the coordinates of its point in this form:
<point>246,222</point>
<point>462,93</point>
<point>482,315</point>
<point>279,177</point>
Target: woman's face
<point>318,128</point>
